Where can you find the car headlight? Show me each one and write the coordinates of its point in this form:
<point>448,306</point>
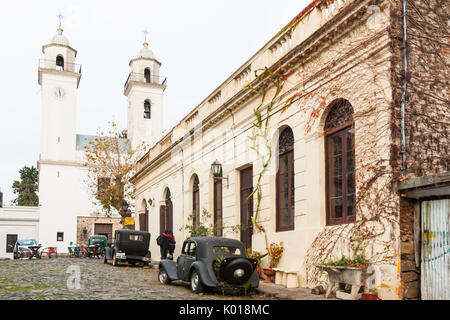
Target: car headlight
<point>238,273</point>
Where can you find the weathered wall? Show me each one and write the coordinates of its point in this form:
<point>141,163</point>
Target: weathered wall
<point>410,249</point>
<point>89,224</point>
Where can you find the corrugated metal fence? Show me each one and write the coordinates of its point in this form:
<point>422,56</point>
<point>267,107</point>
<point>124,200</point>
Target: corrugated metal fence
<point>435,265</point>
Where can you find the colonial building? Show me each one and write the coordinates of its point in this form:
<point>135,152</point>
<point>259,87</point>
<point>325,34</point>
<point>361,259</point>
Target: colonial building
<point>306,148</point>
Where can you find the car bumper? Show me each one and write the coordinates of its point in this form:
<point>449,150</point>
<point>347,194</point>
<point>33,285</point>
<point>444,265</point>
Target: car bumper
<point>130,257</point>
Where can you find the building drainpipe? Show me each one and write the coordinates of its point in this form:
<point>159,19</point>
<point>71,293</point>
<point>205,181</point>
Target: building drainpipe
<point>403,150</point>
<point>405,70</point>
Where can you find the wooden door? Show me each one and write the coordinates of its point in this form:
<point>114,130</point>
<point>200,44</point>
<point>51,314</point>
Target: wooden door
<point>104,229</point>
<point>246,206</point>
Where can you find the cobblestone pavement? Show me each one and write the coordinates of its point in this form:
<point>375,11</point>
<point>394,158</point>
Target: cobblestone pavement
<point>48,279</point>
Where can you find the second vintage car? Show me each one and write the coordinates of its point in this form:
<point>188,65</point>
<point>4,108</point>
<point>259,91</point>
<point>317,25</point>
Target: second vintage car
<point>211,262</point>
<point>129,246</point>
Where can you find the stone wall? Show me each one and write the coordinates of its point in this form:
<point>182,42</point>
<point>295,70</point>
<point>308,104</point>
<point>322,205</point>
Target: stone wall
<point>89,224</point>
<point>410,249</point>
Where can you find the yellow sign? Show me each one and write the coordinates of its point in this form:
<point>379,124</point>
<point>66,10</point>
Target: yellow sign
<point>129,221</point>
<point>429,235</point>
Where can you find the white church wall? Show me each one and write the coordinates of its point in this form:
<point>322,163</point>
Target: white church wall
<point>63,196</point>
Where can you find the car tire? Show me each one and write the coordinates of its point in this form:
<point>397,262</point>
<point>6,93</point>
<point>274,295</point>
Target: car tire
<point>163,277</point>
<point>230,268</point>
<point>114,260</point>
<point>196,283</point>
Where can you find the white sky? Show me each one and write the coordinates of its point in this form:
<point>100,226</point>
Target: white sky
<point>199,42</point>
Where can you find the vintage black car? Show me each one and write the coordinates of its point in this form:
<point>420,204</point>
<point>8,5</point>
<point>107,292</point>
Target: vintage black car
<point>129,246</point>
<point>211,262</point>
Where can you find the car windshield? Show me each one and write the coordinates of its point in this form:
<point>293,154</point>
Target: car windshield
<point>227,250</point>
<point>27,242</point>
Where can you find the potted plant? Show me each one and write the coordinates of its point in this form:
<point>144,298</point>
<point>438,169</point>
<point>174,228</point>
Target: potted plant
<point>275,252</point>
<point>348,271</point>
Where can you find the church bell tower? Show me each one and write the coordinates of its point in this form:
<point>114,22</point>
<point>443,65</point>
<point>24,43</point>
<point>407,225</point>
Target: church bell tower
<point>144,89</point>
<point>59,78</point>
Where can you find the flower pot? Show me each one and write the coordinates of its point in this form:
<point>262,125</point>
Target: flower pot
<point>269,272</point>
<point>369,296</point>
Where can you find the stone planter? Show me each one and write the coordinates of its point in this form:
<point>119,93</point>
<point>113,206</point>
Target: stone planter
<point>354,276</point>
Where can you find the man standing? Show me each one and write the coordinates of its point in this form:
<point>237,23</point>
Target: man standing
<point>166,242</point>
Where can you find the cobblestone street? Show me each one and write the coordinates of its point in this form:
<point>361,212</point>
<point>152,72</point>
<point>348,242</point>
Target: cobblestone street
<point>47,279</point>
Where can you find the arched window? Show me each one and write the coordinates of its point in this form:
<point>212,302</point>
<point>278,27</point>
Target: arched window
<point>285,181</point>
<point>195,203</point>
<point>59,63</point>
<point>147,109</point>
<point>147,75</point>
<point>340,163</point>
<point>166,213</point>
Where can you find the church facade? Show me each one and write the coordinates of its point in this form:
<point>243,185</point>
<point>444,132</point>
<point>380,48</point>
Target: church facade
<point>66,214</point>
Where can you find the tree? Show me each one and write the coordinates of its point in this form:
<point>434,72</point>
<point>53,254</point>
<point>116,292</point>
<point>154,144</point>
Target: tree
<point>110,160</point>
<point>27,187</point>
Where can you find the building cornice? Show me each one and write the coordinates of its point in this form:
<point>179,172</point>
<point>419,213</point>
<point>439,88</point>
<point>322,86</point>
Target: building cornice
<point>58,45</point>
<point>310,46</point>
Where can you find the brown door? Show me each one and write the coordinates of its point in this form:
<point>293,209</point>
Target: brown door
<point>162,219</point>
<point>143,220</point>
<point>166,217</point>
<point>104,229</point>
<point>246,206</point>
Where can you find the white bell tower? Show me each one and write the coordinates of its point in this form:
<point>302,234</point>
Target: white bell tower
<point>144,89</point>
<point>59,78</point>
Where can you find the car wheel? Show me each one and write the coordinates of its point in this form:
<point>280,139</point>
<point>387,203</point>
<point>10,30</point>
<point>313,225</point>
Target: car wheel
<point>196,283</point>
<point>114,260</point>
<point>163,277</point>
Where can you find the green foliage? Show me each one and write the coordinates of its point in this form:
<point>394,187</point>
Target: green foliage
<point>359,257</point>
<point>203,227</point>
<point>26,187</point>
<point>218,262</point>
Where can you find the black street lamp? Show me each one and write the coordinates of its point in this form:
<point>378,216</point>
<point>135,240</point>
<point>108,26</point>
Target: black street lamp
<point>216,168</point>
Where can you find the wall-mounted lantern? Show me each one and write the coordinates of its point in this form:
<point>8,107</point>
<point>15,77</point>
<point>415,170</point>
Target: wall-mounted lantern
<point>216,168</point>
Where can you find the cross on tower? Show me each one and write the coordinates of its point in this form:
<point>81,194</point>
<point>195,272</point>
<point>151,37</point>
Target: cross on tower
<point>60,17</point>
<point>145,35</point>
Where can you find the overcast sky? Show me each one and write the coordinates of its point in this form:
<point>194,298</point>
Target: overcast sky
<point>199,42</point>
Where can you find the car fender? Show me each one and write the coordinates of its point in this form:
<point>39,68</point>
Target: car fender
<point>204,273</point>
<point>171,268</point>
<point>254,279</point>
<point>108,253</point>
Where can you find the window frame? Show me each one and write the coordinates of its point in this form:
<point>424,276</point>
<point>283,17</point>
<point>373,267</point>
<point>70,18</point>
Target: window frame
<point>147,113</point>
<point>289,153</point>
<point>340,130</point>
